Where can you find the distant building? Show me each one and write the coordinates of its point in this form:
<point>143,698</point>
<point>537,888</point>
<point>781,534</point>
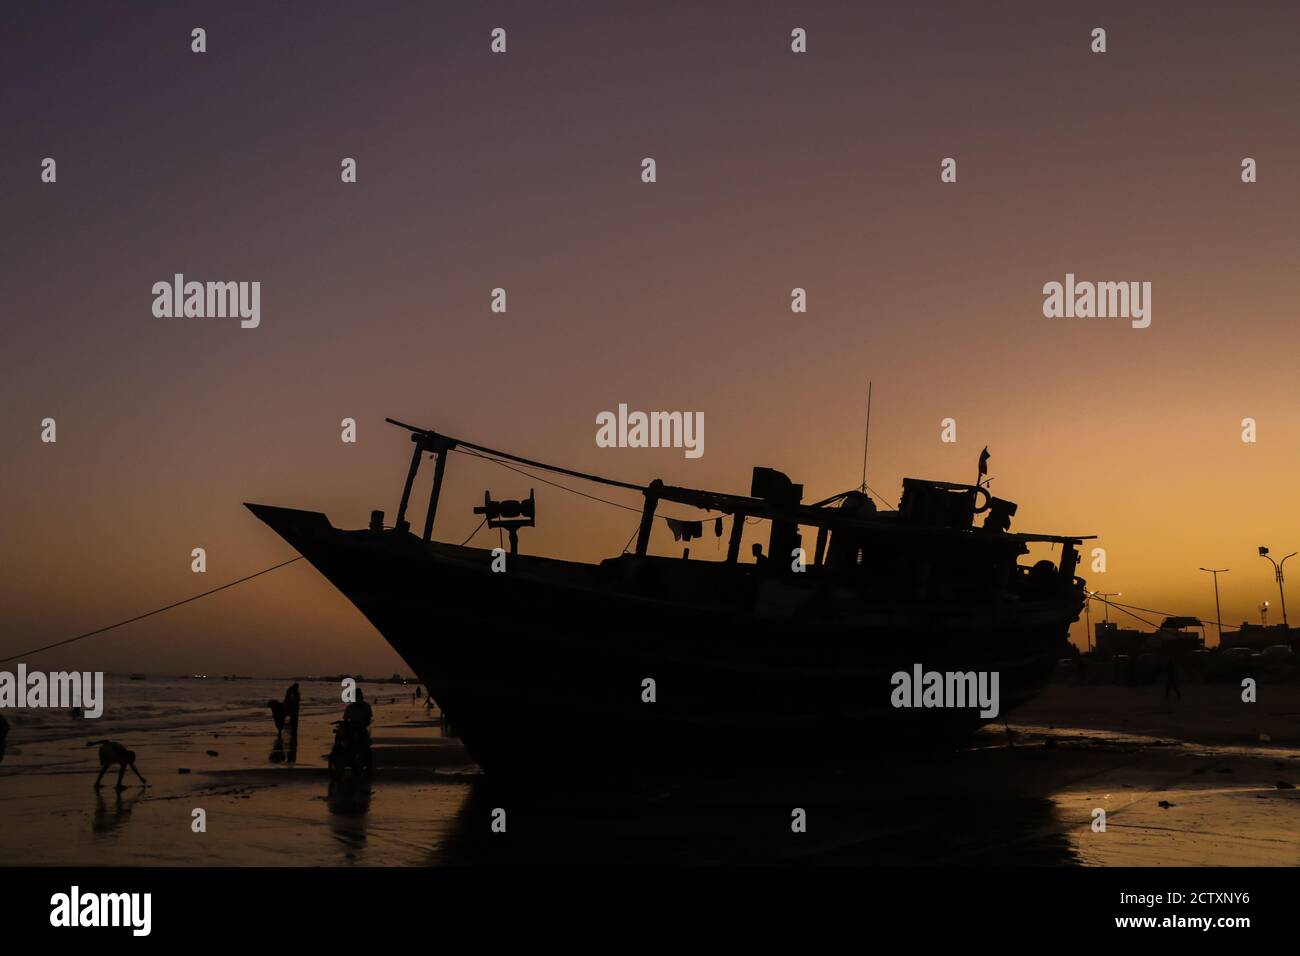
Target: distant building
<point>1257,636</point>
<point>1176,635</point>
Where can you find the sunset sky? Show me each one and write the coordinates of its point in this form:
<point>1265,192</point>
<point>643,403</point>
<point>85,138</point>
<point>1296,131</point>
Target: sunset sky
<point>775,171</point>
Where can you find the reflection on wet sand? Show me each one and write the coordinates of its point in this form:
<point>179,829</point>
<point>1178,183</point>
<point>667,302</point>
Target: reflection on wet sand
<point>278,752</point>
<point>109,818</point>
<point>348,803</point>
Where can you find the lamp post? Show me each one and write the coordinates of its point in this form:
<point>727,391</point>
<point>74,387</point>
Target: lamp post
<point>1217,614</point>
<point>1263,614</point>
<point>1277,573</point>
<point>1087,614</point>
<point>1103,595</point>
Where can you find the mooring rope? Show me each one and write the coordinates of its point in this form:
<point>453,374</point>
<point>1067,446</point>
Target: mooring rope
<point>141,617</point>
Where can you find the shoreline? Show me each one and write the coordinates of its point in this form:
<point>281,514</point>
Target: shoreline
<point>1206,796</point>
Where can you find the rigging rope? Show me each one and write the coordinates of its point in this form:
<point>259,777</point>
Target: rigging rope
<point>555,484</point>
<point>546,481</point>
<point>630,537</point>
<point>1129,608</point>
<point>141,617</point>
<point>474,532</point>
<point>881,497</point>
<point>1124,611</point>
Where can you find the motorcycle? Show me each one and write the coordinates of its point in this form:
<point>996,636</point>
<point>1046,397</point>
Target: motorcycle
<point>351,749</point>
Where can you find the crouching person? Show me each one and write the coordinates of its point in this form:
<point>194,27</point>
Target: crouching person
<point>114,754</point>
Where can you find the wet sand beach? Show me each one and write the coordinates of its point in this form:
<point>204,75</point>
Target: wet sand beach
<point>1189,786</point>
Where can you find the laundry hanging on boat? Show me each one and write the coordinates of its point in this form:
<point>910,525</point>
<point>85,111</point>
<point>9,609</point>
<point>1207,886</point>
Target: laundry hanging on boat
<point>685,530</point>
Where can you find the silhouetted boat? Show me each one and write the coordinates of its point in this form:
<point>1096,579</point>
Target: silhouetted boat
<point>542,667</point>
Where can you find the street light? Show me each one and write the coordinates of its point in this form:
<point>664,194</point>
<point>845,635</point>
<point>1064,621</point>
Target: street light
<point>1103,595</point>
<point>1087,614</point>
<point>1263,614</point>
<point>1217,614</point>
<point>1277,573</point>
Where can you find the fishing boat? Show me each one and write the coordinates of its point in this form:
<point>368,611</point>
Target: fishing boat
<point>646,666</point>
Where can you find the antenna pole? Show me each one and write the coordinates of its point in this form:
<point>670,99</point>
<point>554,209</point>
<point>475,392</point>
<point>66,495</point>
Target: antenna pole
<point>866,440</point>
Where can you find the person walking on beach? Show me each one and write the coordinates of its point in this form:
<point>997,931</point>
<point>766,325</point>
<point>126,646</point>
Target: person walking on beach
<point>291,705</point>
<point>111,753</point>
<point>358,716</point>
<point>1171,678</point>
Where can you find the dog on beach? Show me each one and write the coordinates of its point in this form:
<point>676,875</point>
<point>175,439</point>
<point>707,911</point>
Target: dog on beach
<point>111,753</point>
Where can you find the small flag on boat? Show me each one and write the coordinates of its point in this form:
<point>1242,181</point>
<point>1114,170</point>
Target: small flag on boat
<point>984,462</point>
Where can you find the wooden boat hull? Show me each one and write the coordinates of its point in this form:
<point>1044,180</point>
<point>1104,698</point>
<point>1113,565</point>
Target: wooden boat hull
<point>542,669</point>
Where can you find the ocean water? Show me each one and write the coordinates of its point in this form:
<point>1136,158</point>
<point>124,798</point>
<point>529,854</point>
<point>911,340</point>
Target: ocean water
<point>163,703</point>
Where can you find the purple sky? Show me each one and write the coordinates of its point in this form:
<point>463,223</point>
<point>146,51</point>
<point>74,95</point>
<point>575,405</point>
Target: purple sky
<point>522,171</point>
